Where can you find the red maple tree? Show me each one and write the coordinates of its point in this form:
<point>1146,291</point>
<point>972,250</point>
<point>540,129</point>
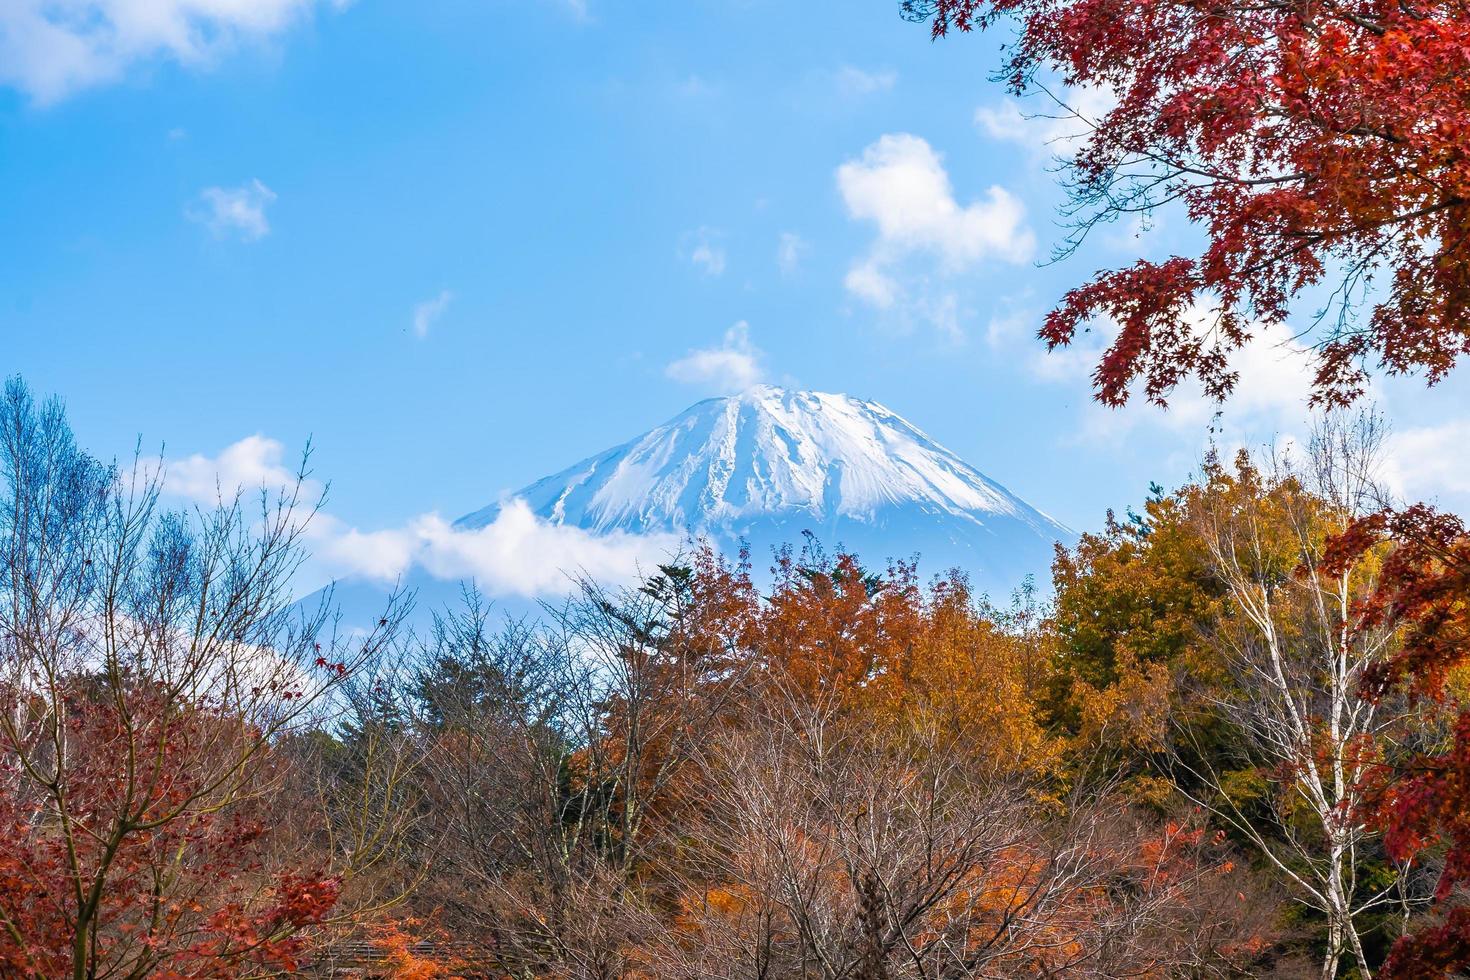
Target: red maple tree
<point>130,869</point>
<point>1424,804</point>
<point>1317,144</point>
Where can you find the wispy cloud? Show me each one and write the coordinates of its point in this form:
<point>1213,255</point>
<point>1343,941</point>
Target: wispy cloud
<point>733,366</point>
<point>234,211</point>
<point>50,50</point>
<point>430,310</point>
<point>1046,125</point>
<point>855,82</point>
<point>789,249</point>
<point>703,250</point>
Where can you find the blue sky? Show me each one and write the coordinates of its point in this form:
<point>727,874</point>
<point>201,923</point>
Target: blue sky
<point>462,244</point>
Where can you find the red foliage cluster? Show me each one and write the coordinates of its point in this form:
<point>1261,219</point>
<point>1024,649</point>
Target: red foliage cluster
<point>1426,806</point>
<point>134,870</point>
<point>1314,143</point>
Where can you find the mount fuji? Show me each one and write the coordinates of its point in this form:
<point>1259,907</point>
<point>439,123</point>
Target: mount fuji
<point>759,469</point>
<point>765,465</point>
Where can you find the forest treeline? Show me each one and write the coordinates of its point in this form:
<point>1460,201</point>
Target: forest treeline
<point>1228,741</point>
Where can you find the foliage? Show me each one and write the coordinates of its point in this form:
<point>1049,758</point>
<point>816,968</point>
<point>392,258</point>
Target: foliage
<point>185,892</point>
<point>1424,802</point>
<point>1314,144</point>
<point>1129,604</point>
<point>848,772</point>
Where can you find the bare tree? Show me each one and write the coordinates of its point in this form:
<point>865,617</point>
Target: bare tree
<point>832,848</point>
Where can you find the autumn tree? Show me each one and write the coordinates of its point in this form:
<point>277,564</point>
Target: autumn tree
<point>1423,801</point>
<point>1318,146</point>
<point>1129,602</point>
<point>1206,654</point>
<point>153,671</point>
<point>556,757</point>
<point>846,772</point>
<point>1296,655</point>
<point>1321,149</point>
<point>882,800</point>
<point>886,647</point>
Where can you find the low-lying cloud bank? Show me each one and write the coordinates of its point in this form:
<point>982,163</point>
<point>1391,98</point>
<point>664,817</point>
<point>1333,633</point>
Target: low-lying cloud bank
<point>517,554</point>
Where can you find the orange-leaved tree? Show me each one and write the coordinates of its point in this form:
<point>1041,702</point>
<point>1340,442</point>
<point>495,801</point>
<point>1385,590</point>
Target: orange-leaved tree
<point>881,645</point>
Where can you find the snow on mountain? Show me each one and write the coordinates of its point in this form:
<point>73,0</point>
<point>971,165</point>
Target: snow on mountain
<point>765,465</point>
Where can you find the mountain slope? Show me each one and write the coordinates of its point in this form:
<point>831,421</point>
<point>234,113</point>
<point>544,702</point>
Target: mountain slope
<point>765,465</point>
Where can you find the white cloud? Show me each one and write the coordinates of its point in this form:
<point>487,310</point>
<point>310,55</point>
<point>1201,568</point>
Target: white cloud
<point>732,367</point>
<point>516,554</point>
<point>855,82</point>
<point>1429,461</point>
<point>1276,373</point>
<point>870,283</point>
<point>702,249</point>
<point>342,551</point>
<point>236,211</point>
<point>253,463</point>
<point>425,313</point>
<point>789,249</point>
<point>51,49</point>
<point>900,184</point>
<point>1055,128</point>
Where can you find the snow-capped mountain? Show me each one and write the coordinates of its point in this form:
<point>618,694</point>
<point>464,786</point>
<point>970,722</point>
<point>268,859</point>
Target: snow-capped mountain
<point>768,464</point>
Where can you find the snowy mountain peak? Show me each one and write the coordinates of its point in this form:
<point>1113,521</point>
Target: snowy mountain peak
<point>770,462</point>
